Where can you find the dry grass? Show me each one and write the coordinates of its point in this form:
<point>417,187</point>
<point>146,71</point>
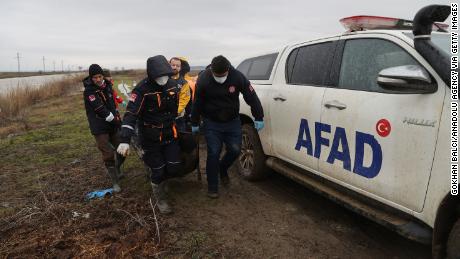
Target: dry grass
<point>15,104</point>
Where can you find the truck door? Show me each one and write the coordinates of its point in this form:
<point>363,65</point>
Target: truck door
<point>377,141</point>
<point>295,101</point>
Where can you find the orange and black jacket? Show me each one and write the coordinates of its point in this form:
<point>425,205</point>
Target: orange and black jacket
<point>184,93</point>
<point>153,106</point>
<point>99,104</point>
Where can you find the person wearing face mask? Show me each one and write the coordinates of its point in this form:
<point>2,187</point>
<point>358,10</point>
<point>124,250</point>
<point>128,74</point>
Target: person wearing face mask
<point>154,103</point>
<point>184,92</point>
<point>217,102</point>
<point>104,121</point>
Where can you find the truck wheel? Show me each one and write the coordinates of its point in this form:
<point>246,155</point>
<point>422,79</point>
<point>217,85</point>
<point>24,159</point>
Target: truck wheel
<point>453,243</point>
<point>251,163</point>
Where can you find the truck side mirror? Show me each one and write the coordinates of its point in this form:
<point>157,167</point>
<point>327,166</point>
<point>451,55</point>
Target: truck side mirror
<point>408,77</point>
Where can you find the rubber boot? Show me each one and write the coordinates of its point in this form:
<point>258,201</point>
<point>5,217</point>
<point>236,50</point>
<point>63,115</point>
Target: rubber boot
<point>160,196</point>
<point>119,159</point>
<point>112,171</point>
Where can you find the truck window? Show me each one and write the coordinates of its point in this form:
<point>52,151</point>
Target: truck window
<point>261,67</point>
<point>244,67</point>
<point>258,68</point>
<point>311,66</point>
<point>363,59</point>
<point>290,64</point>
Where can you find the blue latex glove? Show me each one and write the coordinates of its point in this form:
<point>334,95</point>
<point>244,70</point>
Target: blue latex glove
<point>123,103</point>
<point>195,129</point>
<point>99,194</point>
<point>259,125</point>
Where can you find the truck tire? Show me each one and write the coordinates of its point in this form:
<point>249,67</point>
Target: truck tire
<point>251,162</point>
<point>453,243</point>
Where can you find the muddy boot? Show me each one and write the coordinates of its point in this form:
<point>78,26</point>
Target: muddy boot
<point>165,186</point>
<point>160,196</point>
<point>112,171</point>
<point>119,159</point>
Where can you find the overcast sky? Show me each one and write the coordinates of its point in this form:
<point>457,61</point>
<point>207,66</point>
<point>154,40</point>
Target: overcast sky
<point>119,33</point>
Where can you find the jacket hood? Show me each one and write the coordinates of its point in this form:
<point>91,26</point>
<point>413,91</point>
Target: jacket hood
<point>158,66</point>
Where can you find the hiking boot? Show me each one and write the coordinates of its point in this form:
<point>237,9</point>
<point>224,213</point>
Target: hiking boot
<point>112,171</point>
<point>213,195</point>
<point>160,197</point>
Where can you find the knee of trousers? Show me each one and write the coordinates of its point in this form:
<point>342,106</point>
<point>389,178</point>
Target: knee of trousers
<point>214,152</point>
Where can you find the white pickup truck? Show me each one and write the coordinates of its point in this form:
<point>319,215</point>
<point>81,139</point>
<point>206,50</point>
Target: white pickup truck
<point>363,118</point>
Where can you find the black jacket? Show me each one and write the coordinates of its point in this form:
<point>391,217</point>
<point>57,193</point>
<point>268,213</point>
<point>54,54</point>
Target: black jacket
<point>153,105</point>
<point>99,104</point>
<point>220,102</point>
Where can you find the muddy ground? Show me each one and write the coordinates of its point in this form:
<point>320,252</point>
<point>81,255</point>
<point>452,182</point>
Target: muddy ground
<point>43,211</point>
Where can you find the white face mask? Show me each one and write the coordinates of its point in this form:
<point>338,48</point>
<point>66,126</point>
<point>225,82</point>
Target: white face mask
<point>220,80</point>
<point>162,80</point>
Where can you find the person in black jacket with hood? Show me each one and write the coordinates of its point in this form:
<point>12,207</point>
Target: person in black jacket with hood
<point>104,120</point>
<point>217,101</point>
<point>153,106</point>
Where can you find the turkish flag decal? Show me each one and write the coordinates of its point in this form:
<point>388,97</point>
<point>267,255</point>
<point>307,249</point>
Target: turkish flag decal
<point>383,128</point>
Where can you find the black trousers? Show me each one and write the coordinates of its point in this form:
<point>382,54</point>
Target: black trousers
<point>164,161</point>
<point>162,156</point>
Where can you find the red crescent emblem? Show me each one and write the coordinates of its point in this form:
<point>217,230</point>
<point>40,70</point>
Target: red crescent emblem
<point>132,97</point>
<point>383,127</point>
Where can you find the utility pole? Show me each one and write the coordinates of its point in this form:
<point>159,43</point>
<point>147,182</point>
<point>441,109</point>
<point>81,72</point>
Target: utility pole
<point>19,62</point>
<point>54,65</point>
<point>43,64</point>
<point>62,65</point>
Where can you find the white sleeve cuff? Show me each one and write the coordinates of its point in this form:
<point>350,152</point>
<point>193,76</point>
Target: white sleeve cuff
<point>109,118</point>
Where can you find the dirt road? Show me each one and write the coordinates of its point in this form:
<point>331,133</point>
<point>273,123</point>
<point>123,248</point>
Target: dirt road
<point>278,218</point>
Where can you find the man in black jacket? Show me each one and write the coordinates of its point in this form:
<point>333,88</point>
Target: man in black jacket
<point>217,101</point>
<point>154,104</point>
<point>104,120</point>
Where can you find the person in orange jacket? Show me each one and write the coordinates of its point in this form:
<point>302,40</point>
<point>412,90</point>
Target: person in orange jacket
<point>184,92</point>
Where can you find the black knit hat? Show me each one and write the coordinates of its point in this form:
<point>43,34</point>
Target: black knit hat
<point>95,69</point>
<point>220,64</point>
